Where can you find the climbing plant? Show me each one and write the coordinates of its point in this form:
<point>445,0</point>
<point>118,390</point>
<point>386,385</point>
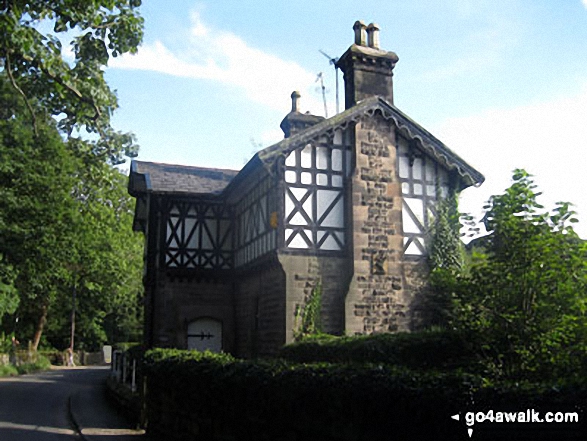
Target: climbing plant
<point>307,318</point>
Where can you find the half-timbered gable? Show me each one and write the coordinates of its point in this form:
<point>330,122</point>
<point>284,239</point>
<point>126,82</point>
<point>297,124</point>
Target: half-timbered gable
<point>346,203</point>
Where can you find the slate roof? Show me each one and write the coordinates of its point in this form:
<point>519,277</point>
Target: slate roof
<point>169,178</point>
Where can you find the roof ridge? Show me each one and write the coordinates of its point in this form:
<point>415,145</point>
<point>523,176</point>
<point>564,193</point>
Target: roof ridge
<point>195,167</point>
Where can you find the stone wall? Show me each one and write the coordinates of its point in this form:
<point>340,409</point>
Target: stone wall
<point>180,301</point>
<point>259,310</point>
<point>303,274</point>
<point>380,295</point>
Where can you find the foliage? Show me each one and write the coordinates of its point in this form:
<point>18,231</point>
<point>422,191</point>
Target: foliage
<point>438,350</point>
<point>36,208</point>
<point>41,364</point>
<point>8,294</point>
<point>446,248</point>
<point>73,89</point>
<point>8,371</point>
<point>105,265</point>
<point>523,290</point>
<point>6,345</point>
<point>446,259</point>
<point>214,396</point>
<point>263,400</point>
<point>309,315</point>
<point>66,224</point>
<point>126,346</point>
<point>64,213</point>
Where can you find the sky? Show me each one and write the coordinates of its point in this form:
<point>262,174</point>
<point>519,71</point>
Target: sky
<point>503,83</point>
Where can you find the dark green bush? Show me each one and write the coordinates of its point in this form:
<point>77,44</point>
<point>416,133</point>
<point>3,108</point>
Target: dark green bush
<point>266,399</point>
<point>422,350</point>
<point>207,396</point>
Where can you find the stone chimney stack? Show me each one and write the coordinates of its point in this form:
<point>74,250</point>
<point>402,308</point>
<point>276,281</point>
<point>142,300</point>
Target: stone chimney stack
<point>367,69</point>
<point>295,121</point>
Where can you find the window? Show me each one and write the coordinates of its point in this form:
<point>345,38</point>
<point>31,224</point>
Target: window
<point>256,235</point>
<point>197,235</point>
<point>423,182</point>
<point>315,195</point>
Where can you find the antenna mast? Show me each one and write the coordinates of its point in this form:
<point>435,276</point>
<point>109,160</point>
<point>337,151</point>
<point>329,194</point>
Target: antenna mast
<point>333,61</point>
<point>321,79</point>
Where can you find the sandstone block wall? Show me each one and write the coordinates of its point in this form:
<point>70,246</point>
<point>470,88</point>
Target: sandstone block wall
<point>303,274</point>
<point>380,295</point>
<point>259,303</point>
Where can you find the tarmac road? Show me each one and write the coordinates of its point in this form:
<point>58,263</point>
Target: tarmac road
<point>36,407</point>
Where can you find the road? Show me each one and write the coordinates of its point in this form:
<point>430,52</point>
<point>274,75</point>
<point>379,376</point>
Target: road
<point>35,407</point>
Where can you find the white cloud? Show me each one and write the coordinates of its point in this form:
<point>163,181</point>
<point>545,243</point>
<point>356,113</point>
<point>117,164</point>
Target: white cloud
<point>221,56</point>
<point>548,139</point>
<point>585,3</point>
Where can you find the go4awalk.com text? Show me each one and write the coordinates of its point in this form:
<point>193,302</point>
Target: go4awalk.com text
<point>517,419</point>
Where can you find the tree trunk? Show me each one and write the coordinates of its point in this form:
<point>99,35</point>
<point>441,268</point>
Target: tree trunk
<point>40,326</point>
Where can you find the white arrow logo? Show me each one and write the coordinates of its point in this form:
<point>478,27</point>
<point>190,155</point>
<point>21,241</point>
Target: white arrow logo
<point>457,417</point>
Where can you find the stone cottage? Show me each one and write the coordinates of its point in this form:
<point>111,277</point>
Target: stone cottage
<point>232,257</point>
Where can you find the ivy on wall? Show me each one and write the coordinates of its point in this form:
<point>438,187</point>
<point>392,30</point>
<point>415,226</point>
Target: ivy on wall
<point>307,317</point>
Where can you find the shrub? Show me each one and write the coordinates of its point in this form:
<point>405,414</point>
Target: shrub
<point>522,290</point>
<point>263,400</point>
<point>8,371</point>
<point>41,364</point>
<point>422,350</point>
<point>193,395</point>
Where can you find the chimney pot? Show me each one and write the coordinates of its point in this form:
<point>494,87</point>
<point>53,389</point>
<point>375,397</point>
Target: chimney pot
<point>368,70</point>
<point>360,34</point>
<point>373,35</point>
<point>295,101</point>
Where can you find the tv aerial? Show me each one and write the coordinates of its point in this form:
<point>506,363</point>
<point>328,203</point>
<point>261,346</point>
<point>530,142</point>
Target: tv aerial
<point>333,62</point>
<point>320,78</point>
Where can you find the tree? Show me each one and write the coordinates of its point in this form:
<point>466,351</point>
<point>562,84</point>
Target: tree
<point>36,209</point>
<point>58,217</point>
<point>523,292</point>
<point>8,294</point>
<point>64,223</point>
<point>106,266</point>
<point>74,90</point>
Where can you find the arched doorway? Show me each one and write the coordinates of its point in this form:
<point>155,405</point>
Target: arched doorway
<point>205,334</point>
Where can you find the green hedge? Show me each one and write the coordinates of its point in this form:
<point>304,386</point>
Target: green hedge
<point>423,350</point>
<point>206,396</point>
<point>203,396</point>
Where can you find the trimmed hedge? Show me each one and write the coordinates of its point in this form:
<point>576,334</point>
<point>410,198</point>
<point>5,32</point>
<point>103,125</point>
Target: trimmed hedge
<point>205,396</point>
<point>423,350</point>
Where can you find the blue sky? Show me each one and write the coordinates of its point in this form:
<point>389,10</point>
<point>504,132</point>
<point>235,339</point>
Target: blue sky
<point>502,82</point>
